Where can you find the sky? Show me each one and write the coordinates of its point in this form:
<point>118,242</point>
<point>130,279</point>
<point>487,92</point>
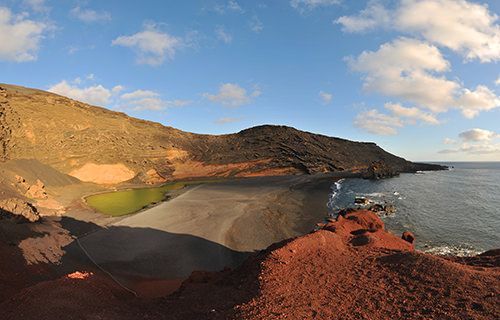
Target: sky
<point>420,78</point>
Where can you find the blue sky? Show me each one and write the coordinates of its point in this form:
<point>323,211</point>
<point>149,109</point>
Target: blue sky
<point>418,77</point>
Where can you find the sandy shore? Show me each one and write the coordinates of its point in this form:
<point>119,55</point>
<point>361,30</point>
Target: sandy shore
<point>208,226</point>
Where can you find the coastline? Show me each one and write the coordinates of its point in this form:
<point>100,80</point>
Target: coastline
<point>371,269</point>
<point>207,227</point>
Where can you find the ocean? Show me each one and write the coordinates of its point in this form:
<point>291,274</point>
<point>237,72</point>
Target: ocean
<point>455,211</point>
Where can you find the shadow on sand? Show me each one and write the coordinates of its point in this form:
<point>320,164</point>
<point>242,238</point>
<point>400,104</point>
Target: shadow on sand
<point>147,252</point>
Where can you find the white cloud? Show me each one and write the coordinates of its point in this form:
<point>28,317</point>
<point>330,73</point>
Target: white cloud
<point>405,69</point>
<point>478,135</point>
<point>180,103</point>
<point>222,34</point>
<point>373,16</point>
<point>37,5</point>
<point>465,27</point>
<point>148,103</point>
<point>325,97</point>
<point>311,4</point>
<point>148,100</point>
<point>411,114</point>
<point>229,6</point>
<point>94,95</point>
<point>481,149</point>
<point>469,137</point>
<point>409,70</point>
<point>227,120</point>
<point>449,141</point>
<point>256,25</point>
<point>497,82</point>
<point>152,45</point>
<point>475,149</point>
<point>138,94</point>
<point>454,150</point>
<point>481,99</point>
<point>90,16</point>
<point>19,36</point>
<point>378,123</point>
<point>117,89</point>
<point>232,95</point>
<point>97,94</point>
<point>386,124</point>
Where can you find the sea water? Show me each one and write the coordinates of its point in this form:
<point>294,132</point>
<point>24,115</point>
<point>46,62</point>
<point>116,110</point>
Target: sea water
<point>455,211</point>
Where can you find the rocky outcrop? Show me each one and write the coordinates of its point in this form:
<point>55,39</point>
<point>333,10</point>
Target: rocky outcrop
<point>20,208</point>
<point>380,170</point>
<point>34,191</point>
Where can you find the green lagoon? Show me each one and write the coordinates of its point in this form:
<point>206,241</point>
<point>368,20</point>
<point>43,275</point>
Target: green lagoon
<point>120,203</point>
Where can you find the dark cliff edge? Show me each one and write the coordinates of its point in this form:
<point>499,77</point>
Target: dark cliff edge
<point>419,166</point>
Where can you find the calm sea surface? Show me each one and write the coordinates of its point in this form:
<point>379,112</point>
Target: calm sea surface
<point>456,211</point>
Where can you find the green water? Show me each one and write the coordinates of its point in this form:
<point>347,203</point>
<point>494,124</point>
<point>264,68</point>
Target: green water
<point>121,203</point>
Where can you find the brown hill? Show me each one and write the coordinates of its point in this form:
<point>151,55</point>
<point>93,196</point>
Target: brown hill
<point>98,145</point>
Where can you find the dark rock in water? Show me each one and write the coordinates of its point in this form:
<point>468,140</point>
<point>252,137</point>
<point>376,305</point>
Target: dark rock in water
<point>408,236</point>
<point>379,170</point>
<point>389,208</point>
<point>376,208</point>
<point>361,200</point>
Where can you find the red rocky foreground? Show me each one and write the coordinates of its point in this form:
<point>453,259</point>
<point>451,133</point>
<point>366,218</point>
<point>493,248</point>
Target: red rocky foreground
<point>349,269</point>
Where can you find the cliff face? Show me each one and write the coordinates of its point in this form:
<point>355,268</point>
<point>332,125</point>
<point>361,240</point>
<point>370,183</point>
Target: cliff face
<point>97,145</point>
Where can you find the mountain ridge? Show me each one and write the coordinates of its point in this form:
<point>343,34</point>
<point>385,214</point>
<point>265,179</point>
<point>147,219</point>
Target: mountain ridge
<point>67,135</point>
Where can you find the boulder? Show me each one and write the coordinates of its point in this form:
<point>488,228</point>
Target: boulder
<point>37,191</point>
<point>408,236</point>
<point>20,208</point>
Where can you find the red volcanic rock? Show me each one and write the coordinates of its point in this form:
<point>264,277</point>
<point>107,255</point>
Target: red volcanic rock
<point>344,271</point>
<point>408,236</point>
<point>349,269</point>
<point>365,219</point>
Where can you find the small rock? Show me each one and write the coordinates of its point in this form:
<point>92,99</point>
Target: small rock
<point>389,208</point>
<point>376,208</point>
<point>361,200</point>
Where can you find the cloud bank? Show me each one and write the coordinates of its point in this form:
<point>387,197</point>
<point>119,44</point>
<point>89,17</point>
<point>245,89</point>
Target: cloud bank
<point>412,69</point>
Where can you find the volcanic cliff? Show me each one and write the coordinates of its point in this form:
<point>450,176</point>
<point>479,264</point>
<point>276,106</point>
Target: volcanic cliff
<point>97,145</point>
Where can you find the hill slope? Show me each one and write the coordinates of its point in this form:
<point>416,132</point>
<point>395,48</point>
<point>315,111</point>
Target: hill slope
<point>102,146</point>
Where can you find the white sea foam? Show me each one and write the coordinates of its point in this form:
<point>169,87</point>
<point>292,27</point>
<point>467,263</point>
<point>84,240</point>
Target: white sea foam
<point>335,191</point>
<point>461,251</point>
<point>376,195</point>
